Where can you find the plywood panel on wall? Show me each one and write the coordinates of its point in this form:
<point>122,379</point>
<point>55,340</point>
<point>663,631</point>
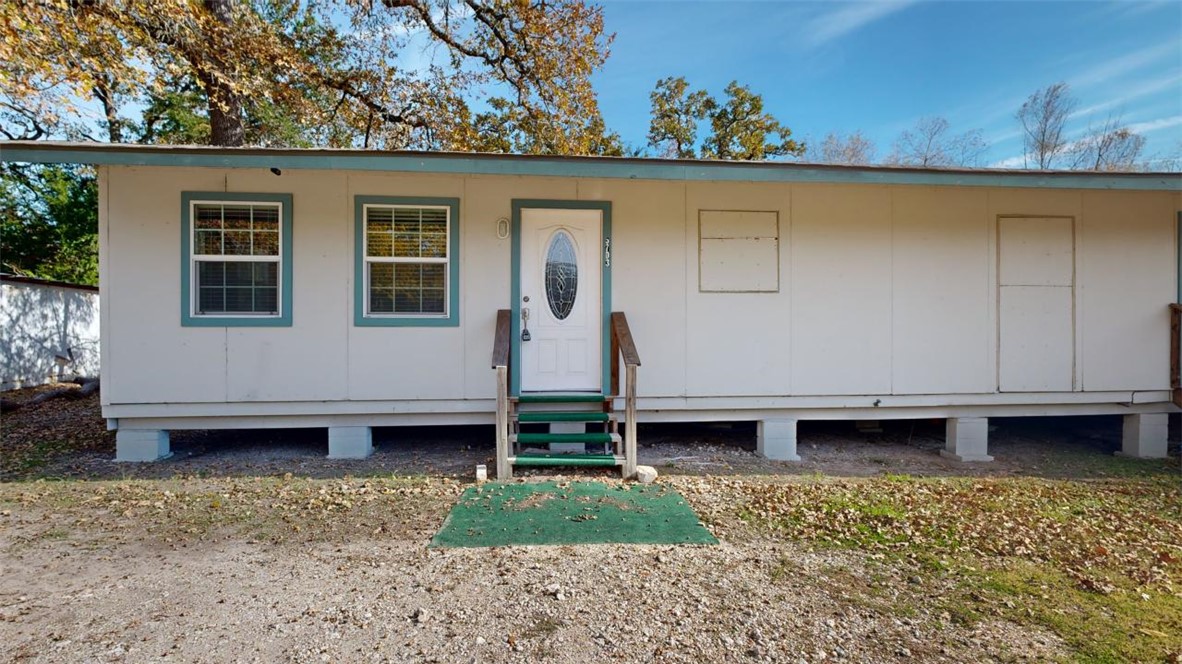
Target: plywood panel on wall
<point>1036,251</point>
<point>738,224</point>
<point>736,343</point>
<point>942,292</point>
<point>407,362</point>
<point>154,359</point>
<point>841,290</point>
<point>1036,305</point>
<point>1037,353</point>
<point>1127,276</point>
<point>485,272</point>
<point>275,364</point>
<point>739,265</point>
<point>648,274</point>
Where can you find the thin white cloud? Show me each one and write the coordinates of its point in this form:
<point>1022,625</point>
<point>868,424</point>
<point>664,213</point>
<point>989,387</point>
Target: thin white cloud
<point>1154,125</point>
<point>1126,63</point>
<point>1003,136</point>
<point>1134,93</point>
<point>1131,9</point>
<point>850,18</point>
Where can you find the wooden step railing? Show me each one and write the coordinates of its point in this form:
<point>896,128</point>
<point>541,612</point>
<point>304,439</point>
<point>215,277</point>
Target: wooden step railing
<point>623,347</point>
<point>1176,354</point>
<point>500,362</point>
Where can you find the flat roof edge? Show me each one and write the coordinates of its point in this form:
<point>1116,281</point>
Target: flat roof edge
<point>37,281</point>
<point>584,167</point>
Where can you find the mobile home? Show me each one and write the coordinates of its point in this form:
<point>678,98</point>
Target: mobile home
<point>350,289</point>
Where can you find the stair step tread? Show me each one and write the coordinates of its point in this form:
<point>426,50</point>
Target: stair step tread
<point>563,416</point>
<point>564,438</point>
<point>562,397</point>
<point>567,460</point>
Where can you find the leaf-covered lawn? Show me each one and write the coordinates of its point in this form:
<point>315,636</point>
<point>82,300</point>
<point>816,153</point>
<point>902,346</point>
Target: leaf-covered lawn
<point>275,510</point>
<point>1099,562</point>
<point>37,434</point>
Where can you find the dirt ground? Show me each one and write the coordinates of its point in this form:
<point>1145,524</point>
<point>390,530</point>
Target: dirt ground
<point>228,555</point>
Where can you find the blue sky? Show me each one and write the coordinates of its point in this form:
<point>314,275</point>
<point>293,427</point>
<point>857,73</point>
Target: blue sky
<point>879,66</point>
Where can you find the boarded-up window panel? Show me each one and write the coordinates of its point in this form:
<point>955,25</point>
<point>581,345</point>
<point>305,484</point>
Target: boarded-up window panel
<point>739,251</point>
<point>727,224</point>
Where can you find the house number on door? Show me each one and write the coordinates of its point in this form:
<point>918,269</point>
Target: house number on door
<point>607,252</point>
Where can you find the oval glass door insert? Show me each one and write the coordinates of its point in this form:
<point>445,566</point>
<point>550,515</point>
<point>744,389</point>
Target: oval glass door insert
<point>562,275</point>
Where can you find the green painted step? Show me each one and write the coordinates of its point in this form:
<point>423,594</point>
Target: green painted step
<point>565,460</point>
<point>536,438</point>
<point>561,416</point>
<point>554,397</point>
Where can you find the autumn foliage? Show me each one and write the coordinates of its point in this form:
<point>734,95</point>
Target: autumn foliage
<point>390,74</point>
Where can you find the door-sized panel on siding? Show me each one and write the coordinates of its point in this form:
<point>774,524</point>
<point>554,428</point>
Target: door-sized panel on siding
<point>1037,353</point>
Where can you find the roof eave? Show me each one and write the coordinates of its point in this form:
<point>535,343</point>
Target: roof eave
<point>561,166</point>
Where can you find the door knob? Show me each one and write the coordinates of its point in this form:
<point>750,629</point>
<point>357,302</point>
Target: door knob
<point>525,322</point>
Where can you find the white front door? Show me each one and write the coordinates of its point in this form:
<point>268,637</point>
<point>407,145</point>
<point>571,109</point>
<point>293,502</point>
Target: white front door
<point>561,307</point>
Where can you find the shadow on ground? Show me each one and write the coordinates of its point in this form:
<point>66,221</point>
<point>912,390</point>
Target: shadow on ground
<point>67,439</point>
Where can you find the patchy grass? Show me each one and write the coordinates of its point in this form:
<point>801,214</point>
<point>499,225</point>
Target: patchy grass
<point>1123,623</point>
<point>34,455</point>
<point>1098,562</point>
<point>276,510</point>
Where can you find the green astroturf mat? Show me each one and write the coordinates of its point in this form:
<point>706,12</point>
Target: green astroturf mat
<point>497,514</point>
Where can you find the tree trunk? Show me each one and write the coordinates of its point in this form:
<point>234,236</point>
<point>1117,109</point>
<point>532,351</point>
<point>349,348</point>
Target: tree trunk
<point>106,96</point>
<point>225,106</point>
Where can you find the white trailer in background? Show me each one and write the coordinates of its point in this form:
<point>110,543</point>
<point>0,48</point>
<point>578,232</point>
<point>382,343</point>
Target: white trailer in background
<point>50,331</point>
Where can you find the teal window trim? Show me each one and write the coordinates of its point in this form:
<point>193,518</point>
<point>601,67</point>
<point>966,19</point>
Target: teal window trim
<point>606,250</point>
<point>189,317</point>
<point>360,297</point>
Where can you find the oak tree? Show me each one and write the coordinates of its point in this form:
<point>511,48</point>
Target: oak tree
<point>740,129</point>
<point>338,73</point>
<point>676,112</point>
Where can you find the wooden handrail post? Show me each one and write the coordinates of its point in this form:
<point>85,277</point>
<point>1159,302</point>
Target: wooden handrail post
<point>630,422</point>
<point>624,347</point>
<point>500,362</point>
<point>504,470</point>
<point>1176,354</point>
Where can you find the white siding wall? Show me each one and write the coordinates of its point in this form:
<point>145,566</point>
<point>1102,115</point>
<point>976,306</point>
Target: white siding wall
<point>883,290</point>
<point>38,322</point>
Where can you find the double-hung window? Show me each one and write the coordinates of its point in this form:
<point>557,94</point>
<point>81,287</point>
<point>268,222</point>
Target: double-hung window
<point>407,262</point>
<point>237,259</point>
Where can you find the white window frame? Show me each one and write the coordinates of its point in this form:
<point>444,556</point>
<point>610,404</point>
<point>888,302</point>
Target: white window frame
<point>194,257</point>
<point>367,260</point>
